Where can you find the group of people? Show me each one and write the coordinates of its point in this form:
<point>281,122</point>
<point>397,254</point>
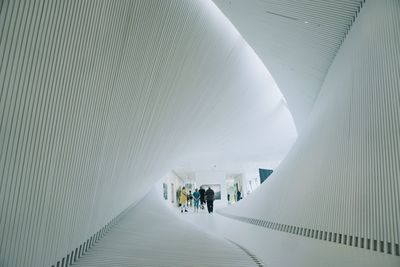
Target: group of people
<point>199,198</point>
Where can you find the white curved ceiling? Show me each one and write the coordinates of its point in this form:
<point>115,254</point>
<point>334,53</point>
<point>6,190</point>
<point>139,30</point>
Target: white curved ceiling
<point>296,40</point>
<point>228,110</point>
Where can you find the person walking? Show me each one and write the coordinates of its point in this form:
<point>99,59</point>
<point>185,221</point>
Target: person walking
<point>183,199</point>
<point>190,198</point>
<point>202,197</point>
<point>210,199</point>
<point>238,196</point>
<point>178,195</point>
<point>196,198</point>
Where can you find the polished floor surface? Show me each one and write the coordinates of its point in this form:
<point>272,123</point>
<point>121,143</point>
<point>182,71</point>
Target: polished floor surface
<point>151,235</point>
<point>155,233</point>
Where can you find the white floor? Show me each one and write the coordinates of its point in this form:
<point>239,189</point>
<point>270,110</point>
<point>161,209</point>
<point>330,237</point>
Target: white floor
<point>152,235</point>
<point>156,233</point>
<point>276,249</point>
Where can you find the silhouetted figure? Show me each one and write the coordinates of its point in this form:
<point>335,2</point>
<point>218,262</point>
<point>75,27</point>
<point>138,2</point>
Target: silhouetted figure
<point>190,198</point>
<point>202,197</point>
<point>238,196</point>
<point>196,198</point>
<point>210,199</point>
<point>183,199</point>
<point>178,196</point>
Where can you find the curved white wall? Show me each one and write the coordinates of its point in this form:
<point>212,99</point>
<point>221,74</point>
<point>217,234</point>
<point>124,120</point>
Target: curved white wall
<point>99,99</point>
<point>343,174</point>
<point>297,41</point>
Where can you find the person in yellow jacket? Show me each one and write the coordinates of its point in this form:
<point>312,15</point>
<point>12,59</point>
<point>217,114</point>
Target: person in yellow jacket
<point>183,199</point>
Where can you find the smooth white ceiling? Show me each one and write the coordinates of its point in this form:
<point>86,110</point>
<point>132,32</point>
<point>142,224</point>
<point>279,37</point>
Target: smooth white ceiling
<point>241,117</point>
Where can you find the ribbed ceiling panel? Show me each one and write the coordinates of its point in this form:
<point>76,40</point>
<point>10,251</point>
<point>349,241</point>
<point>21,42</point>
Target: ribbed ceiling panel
<point>297,41</point>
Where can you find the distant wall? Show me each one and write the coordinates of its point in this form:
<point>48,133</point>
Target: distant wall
<point>169,179</point>
<point>213,177</point>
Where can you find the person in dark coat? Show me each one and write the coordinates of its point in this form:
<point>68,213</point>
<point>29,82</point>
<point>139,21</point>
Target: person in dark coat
<point>210,199</point>
<point>238,196</point>
<point>202,197</point>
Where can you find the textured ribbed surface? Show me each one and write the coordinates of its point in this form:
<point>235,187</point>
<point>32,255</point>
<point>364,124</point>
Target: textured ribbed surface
<point>99,99</point>
<point>297,41</point>
<point>339,238</point>
<point>150,235</point>
<point>278,245</point>
<point>343,174</point>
